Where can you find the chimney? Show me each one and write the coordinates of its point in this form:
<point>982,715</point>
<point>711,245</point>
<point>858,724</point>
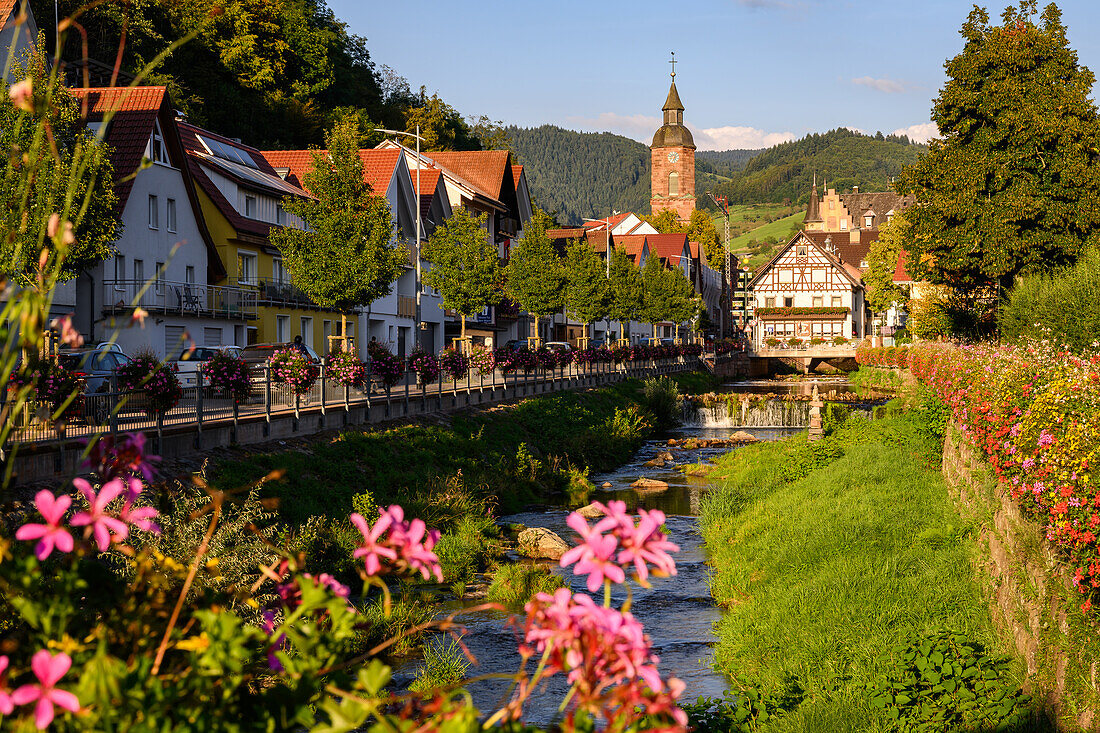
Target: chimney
<point>855,189</point>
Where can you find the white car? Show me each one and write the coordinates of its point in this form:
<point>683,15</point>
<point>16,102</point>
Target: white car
<point>190,360</point>
<point>558,346</point>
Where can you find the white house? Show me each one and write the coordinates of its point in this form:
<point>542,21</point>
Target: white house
<point>18,33</point>
<point>164,260</point>
<point>807,291</point>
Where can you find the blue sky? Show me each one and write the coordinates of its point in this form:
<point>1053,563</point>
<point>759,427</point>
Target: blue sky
<point>751,73</point>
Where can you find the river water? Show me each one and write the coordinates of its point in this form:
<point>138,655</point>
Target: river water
<point>678,612</point>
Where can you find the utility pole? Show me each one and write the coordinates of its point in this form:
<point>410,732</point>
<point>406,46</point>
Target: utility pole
<point>726,301</point>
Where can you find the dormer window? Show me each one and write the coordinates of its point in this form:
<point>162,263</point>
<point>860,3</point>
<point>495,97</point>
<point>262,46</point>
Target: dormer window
<point>156,150</point>
<point>869,221</point>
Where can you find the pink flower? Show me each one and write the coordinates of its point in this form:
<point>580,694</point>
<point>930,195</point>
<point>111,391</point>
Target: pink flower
<point>104,527</point>
<point>647,545</point>
<point>49,669</point>
<point>372,550</point>
<point>6,705</point>
<point>51,535</point>
<point>595,556</point>
<point>69,335</point>
<point>22,94</point>
<point>407,546</point>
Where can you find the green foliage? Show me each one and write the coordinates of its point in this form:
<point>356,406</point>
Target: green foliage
<point>445,663</point>
<point>882,262</point>
<point>662,399</point>
<point>348,256</point>
<point>744,708</point>
<point>1003,192</point>
<point>627,288</point>
<point>466,549</point>
<point>869,377</point>
<point>1060,305</point>
<point>534,277</point>
<point>440,124</point>
<point>406,613</point>
<point>786,171</point>
<point>516,583</point>
<point>947,682</point>
<point>73,178</point>
<point>587,292</point>
<point>465,268</point>
<point>701,229</point>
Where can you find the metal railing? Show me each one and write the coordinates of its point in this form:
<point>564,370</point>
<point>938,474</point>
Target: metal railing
<point>114,410</point>
<point>271,291</point>
<point>170,296</point>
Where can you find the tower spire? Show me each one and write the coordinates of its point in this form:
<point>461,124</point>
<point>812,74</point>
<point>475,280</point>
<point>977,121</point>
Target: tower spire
<point>673,62</point>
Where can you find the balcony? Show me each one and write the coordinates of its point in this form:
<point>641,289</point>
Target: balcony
<point>281,292</point>
<point>185,299</point>
<point>406,306</point>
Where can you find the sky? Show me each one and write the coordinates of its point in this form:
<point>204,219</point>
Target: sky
<point>751,73</point>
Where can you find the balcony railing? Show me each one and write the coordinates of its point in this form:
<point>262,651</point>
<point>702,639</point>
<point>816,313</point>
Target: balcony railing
<point>282,292</point>
<point>406,306</point>
<point>190,299</point>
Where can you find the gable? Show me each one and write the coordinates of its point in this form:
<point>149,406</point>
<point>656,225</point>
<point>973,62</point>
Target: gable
<point>802,264</point>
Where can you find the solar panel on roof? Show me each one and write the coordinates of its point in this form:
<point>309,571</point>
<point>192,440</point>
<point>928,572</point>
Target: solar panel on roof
<point>227,152</point>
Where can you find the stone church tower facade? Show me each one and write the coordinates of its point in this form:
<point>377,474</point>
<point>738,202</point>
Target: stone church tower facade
<point>672,182</point>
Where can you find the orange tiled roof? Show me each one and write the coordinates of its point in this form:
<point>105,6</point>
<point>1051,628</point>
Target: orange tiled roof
<point>6,8</point>
<point>517,171</point>
<point>134,111</point>
<point>378,165</point>
<point>694,249</point>
<point>901,273</point>
<point>666,245</point>
<point>429,180</point>
<point>483,168</point>
<point>614,221</point>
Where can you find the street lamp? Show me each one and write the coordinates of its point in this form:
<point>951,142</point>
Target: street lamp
<point>420,326</point>
<point>607,256</point>
<point>723,203</point>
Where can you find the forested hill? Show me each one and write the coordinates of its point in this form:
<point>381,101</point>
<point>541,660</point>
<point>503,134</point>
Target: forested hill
<point>841,157</point>
<point>726,162</point>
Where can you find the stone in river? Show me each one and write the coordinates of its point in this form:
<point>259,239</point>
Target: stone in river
<point>650,485</point>
<point>665,456</point>
<point>742,437</point>
<point>590,511</point>
<point>606,485</point>
<point>655,463</point>
<point>539,542</point>
<point>673,441</point>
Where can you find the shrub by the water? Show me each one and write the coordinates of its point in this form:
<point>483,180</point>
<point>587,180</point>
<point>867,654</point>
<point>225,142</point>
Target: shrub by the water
<point>444,664</point>
<point>513,584</point>
<point>1063,305</point>
<point>662,399</point>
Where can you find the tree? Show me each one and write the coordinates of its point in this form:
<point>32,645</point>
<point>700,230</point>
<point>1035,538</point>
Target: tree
<point>882,262</point>
<point>1014,185</point>
<point>489,133</point>
<point>627,290</point>
<point>534,277</point>
<point>701,229</point>
<point>685,305</point>
<point>587,293</point>
<point>73,177</point>
<point>666,222</point>
<point>657,295</point>
<point>347,256</point>
<point>465,267</point>
<point>441,126</point>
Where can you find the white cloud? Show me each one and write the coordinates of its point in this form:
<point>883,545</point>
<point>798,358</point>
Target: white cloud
<point>887,86</point>
<point>920,133</point>
<point>763,4</point>
<point>737,137</point>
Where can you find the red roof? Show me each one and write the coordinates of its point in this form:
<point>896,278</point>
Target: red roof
<point>666,245</point>
<point>6,8</point>
<point>429,181</point>
<point>484,168</point>
<point>134,109</point>
<point>634,244</point>
<point>614,220</point>
<point>693,247</point>
<point>901,274</point>
<point>517,171</point>
<point>378,165</point>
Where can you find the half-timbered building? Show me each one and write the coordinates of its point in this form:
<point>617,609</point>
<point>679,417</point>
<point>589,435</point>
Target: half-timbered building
<point>807,291</point>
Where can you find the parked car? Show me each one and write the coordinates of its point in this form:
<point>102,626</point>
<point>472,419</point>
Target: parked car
<point>256,354</point>
<point>597,343</point>
<point>516,345</point>
<point>558,346</point>
<point>189,361</point>
<point>668,342</point>
<point>95,367</point>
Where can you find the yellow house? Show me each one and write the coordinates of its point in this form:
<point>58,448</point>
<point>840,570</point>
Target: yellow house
<point>240,195</point>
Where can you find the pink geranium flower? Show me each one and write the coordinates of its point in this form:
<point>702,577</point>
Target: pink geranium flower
<point>49,669</point>
<point>104,527</point>
<point>407,546</point>
<point>50,535</point>
<point>595,555</point>
<point>372,551</point>
<point>6,705</point>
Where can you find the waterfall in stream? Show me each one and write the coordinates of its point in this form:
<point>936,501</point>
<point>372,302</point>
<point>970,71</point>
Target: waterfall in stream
<point>754,413</point>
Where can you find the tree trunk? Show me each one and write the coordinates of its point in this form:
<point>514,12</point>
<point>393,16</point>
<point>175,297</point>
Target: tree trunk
<point>462,333</point>
<point>344,331</point>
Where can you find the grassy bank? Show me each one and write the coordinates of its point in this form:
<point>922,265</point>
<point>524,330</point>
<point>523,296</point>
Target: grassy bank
<point>831,558</point>
<point>869,377</point>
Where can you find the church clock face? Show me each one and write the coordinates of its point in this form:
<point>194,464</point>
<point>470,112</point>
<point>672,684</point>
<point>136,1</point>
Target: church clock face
<point>673,157</point>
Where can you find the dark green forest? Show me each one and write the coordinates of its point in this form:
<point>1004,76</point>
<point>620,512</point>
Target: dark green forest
<point>726,162</point>
<point>841,157</point>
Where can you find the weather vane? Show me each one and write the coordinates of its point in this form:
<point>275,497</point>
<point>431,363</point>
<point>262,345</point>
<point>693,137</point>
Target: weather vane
<point>673,62</point>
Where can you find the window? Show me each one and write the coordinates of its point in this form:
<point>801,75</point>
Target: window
<point>250,207</point>
<point>160,278</point>
<point>175,338</point>
<point>307,331</point>
<point>120,267</point>
<point>801,251</point>
<point>156,150</point>
<point>863,263</point>
<point>280,214</point>
<point>832,204</point>
<point>279,275</point>
<point>788,302</point>
<point>189,276</point>
<point>139,270</point>
<point>769,302</point>
<point>843,224</point>
<point>170,215</point>
<point>326,333</point>
<point>154,219</point>
<point>246,267</point>
<point>869,221</point>
<point>838,302</point>
<point>252,335</point>
<point>819,301</point>
<point>282,328</point>
<point>674,184</point>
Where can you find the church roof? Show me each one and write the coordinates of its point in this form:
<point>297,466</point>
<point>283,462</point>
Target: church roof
<point>813,211</point>
<point>673,101</point>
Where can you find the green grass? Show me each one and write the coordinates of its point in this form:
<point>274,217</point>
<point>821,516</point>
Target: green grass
<point>875,377</point>
<point>779,228</point>
<point>826,555</point>
<point>516,583</point>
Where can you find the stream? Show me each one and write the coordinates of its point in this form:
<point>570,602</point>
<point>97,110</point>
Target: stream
<point>678,612</point>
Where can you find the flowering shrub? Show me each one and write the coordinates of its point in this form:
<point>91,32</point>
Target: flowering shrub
<point>1034,410</point>
<point>484,360</point>
<point>157,383</point>
<point>58,388</point>
<point>425,366</point>
<point>455,364</point>
<point>230,375</point>
<point>883,356</point>
<point>346,369</point>
<point>384,365</point>
<point>291,367</point>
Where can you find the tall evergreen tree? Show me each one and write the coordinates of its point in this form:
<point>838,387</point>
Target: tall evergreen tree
<point>465,268</point>
<point>882,262</point>
<point>627,290</point>
<point>1014,185</point>
<point>657,295</point>
<point>587,293</point>
<point>534,277</point>
<point>347,256</point>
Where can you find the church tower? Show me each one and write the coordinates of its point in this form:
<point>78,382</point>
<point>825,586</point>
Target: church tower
<point>672,182</point>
